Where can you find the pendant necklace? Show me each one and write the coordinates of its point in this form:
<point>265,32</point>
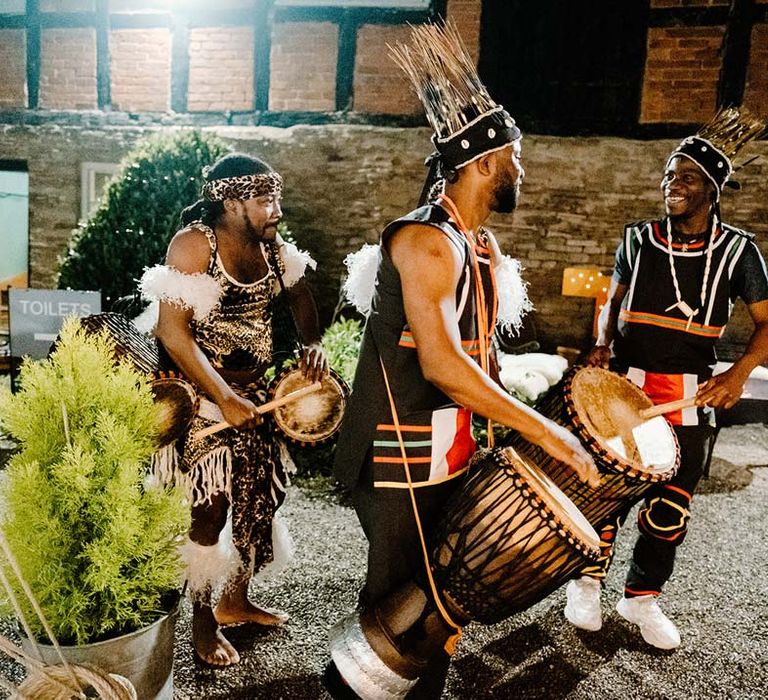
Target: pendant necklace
<point>681,304</point>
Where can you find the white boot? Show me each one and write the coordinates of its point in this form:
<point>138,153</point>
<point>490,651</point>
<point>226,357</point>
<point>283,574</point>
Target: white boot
<point>657,629</point>
<point>583,607</point>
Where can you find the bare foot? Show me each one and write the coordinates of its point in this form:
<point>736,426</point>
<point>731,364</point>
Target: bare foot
<point>231,612</point>
<point>209,643</point>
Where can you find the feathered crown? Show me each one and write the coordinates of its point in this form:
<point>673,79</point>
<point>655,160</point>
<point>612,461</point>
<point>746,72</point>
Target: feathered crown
<point>716,144</point>
<point>466,120</point>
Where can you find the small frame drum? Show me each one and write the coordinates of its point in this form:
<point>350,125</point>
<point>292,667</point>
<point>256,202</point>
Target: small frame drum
<point>510,537</point>
<point>602,409</point>
<point>314,418</point>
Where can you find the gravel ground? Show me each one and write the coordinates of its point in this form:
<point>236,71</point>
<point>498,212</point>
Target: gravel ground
<point>717,597</point>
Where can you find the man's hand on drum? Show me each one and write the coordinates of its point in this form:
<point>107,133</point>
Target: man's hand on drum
<point>599,356</point>
<point>313,362</point>
<point>721,391</point>
<point>240,413</point>
<point>564,446</point>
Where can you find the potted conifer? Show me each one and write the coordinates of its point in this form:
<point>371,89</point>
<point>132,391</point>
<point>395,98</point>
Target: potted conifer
<point>96,543</point>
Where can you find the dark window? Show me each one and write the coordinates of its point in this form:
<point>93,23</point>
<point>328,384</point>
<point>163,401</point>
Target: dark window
<point>562,67</point>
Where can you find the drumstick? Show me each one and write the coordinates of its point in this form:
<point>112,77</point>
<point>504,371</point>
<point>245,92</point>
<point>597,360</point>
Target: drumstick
<point>264,408</point>
<point>668,407</point>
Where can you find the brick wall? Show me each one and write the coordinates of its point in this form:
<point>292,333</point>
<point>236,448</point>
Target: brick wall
<point>303,66</point>
<point>681,74</point>
<point>220,69</point>
<point>13,69</point>
<point>68,69</point>
<point>466,15</point>
<point>756,92</point>
<point>344,183</point>
<point>140,65</point>
<point>380,86</point>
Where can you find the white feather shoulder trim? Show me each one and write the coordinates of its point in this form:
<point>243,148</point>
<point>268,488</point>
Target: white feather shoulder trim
<point>296,262</point>
<point>513,294</point>
<point>197,291</point>
<point>361,277</point>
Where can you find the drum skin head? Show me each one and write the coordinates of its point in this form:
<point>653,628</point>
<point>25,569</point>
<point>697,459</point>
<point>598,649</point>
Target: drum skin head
<point>314,418</point>
<point>608,405</point>
<point>555,500</point>
<point>177,401</point>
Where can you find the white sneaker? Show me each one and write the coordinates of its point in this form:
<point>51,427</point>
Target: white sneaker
<point>657,629</point>
<point>583,607</point>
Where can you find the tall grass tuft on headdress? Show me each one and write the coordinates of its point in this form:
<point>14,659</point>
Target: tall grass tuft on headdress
<point>731,128</point>
<point>444,77</point>
<point>466,121</point>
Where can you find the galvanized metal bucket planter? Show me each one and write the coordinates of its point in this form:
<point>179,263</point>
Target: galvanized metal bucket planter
<point>144,657</point>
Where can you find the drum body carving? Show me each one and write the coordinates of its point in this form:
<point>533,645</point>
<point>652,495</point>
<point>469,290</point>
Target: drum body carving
<point>314,418</point>
<point>510,537</point>
<point>603,409</point>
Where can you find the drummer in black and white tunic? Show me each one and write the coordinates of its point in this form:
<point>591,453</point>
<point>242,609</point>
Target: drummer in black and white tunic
<point>670,299</point>
<point>215,297</point>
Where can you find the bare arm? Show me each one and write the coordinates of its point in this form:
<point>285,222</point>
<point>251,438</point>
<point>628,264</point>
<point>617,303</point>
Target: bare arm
<point>724,390</point>
<point>607,323</point>
<point>188,253</point>
<point>304,310</point>
<point>430,268</point>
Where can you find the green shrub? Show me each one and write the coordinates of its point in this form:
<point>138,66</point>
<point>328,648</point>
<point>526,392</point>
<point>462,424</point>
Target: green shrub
<point>131,228</point>
<point>341,341</point>
<point>97,547</point>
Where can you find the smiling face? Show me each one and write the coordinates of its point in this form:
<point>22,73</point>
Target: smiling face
<point>688,192</point>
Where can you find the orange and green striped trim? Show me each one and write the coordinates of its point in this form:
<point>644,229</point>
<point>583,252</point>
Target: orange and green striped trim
<point>673,324</point>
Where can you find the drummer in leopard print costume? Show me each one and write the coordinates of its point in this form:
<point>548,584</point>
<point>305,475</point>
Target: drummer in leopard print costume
<point>670,299</point>
<point>215,296</point>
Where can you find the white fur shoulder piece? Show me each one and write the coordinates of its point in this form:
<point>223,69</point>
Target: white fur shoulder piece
<point>296,262</point>
<point>361,277</point>
<point>513,294</point>
<point>197,291</point>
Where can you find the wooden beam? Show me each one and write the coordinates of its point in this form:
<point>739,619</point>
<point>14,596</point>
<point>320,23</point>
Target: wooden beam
<point>149,20</point>
<point>179,62</point>
<point>103,68</point>
<point>263,18</point>
<point>689,17</point>
<point>33,54</point>
<point>345,62</point>
<point>66,20</point>
<point>736,47</point>
<point>439,9</point>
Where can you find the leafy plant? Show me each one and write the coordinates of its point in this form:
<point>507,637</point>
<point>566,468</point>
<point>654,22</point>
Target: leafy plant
<point>139,213</point>
<point>341,341</point>
<point>97,546</point>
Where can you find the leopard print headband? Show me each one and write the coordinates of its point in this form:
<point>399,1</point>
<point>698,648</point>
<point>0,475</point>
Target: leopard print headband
<point>243,187</point>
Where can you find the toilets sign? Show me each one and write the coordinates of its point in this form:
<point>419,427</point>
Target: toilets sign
<point>36,316</point>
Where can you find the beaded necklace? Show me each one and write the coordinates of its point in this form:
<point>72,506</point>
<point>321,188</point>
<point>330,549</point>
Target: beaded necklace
<point>685,309</point>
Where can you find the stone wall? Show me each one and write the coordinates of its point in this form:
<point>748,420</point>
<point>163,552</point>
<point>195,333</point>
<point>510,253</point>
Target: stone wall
<point>344,183</point>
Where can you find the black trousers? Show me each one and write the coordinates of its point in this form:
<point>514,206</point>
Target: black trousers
<point>394,549</point>
<point>662,520</point>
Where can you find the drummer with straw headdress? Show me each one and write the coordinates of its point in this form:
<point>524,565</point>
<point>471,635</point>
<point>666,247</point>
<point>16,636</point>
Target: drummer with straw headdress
<point>441,286</point>
<point>670,299</point>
